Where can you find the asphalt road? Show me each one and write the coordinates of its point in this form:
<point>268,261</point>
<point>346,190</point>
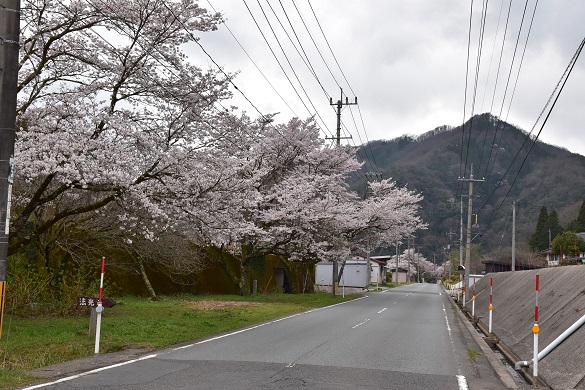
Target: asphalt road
<point>404,338</point>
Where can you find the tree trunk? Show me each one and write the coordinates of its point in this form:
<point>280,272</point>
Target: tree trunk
<point>340,273</point>
<point>244,284</point>
<point>144,277</point>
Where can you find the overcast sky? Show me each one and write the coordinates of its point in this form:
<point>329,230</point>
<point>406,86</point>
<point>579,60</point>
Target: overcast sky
<point>406,62</point>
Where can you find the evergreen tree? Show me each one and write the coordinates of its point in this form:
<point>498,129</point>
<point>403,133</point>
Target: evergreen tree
<point>539,239</point>
<point>578,225</point>
<point>553,225</point>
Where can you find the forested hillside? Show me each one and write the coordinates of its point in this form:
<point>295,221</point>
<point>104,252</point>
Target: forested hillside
<point>514,169</point>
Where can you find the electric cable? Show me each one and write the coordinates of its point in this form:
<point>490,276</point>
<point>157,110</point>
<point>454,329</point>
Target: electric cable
<point>280,64</point>
<point>255,65</point>
<point>228,78</point>
<point>495,87</point>
<point>477,68</point>
<point>514,89</point>
<point>305,59</point>
<point>465,93</point>
<point>562,83</point>
<point>342,73</point>
<point>511,99</point>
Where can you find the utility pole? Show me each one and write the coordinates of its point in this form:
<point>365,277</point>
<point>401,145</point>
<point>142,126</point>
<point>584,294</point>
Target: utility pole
<point>408,263</point>
<point>513,235</point>
<point>461,236</point>
<point>9,48</point>
<point>417,266</point>
<point>369,266</point>
<point>339,106</point>
<point>397,259</point>
<point>370,176</point>
<point>471,180</point>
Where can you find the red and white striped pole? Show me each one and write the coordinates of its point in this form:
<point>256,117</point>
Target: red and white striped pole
<point>536,330</point>
<point>99,310</point>
<point>473,301</point>
<point>490,307</point>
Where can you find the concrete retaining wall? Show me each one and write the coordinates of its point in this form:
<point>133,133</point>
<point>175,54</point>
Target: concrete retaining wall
<point>561,304</point>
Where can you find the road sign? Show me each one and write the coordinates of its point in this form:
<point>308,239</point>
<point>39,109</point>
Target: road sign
<point>93,302</point>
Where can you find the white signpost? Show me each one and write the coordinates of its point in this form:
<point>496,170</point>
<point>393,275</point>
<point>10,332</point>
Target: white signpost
<point>99,309</point>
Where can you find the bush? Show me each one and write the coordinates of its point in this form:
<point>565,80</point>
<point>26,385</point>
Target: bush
<point>37,291</point>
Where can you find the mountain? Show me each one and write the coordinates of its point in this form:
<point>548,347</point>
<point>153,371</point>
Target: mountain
<point>512,165</point>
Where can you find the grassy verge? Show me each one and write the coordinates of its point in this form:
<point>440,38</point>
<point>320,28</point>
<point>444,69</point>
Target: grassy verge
<point>29,343</point>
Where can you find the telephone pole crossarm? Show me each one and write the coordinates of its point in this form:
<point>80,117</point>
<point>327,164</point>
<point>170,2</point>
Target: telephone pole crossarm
<point>339,106</point>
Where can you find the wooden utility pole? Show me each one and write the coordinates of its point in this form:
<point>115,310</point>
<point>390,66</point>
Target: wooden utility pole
<point>9,48</point>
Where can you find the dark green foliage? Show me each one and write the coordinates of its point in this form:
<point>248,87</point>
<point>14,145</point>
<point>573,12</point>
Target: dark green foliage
<point>568,244</point>
<point>553,226</point>
<point>578,225</point>
<point>539,239</point>
<point>34,291</point>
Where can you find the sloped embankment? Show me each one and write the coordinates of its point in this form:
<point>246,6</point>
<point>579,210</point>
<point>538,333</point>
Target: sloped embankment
<point>561,303</point>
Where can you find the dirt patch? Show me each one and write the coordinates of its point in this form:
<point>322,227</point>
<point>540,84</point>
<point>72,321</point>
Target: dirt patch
<point>213,304</point>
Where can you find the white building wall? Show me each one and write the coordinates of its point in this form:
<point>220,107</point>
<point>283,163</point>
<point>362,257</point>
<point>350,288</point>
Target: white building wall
<point>354,274</point>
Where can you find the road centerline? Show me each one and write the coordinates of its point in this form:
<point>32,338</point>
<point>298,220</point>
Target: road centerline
<point>361,323</point>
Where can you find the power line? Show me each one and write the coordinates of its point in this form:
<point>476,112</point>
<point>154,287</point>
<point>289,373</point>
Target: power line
<point>512,97</point>
<point>496,84</point>
<point>308,61</point>
<point>344,77</point>
<point>228,78</point>
<point>255,65</point>
<point>315,43</point>
<point>461,174</point>
<point>522,58</point>
<point>280,64</point>
<point>561,83</point>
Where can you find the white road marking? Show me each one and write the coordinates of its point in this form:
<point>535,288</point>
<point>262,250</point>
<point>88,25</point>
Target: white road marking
<point>264,324</point>
<point>462,382</point>
<point>89,372</point>
<point>291,365</point>
<point>361,323</point>
<point>460,378</point>
<point>383,310</point>
<point>185,346</point>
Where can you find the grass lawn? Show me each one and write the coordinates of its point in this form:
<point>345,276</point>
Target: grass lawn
<point>29,343</point>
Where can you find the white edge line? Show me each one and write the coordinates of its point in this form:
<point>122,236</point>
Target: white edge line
<point>185,346</point>
<point>89,372</point>
<point>462,382</point>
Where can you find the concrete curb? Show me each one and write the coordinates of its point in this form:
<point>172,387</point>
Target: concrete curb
<point>496,364</point>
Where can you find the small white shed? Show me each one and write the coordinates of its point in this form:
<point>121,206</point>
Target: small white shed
<point>354,273</point>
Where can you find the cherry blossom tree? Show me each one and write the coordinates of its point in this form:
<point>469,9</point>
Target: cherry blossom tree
<point>121,145</point>
<point>289,200</point>
<point>110,110</point>
<point>298,204</point>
